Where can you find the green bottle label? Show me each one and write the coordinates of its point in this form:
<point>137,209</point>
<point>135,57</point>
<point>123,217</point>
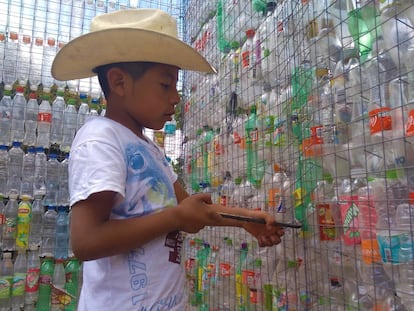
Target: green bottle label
<point>19,282</point>
<point>5,287</point>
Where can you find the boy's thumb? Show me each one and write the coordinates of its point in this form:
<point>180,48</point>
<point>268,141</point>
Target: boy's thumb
<point>205,197</point>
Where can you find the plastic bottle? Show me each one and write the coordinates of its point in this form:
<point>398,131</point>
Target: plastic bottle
<point>69,125</point>
<point>24,210</point>
<point>45,284</point>
<point>3,42</point>
<point>62,234</point>
<point>58,283</point>
<point>72,285</point>
<point>32,279</point>
<point>6,281</point>
<point>19,281</point>
<point>18,115</point>
<point>52,180</point>
<point>242,292</point>
<point>56,127</point>
<point>48,232</point>
<point>49,52</point>
<point>10,60</point>
<point>35,74</point>
<point>26,188</point>
<point>169,139</point>
<point>35,235</point>
<point>83,110</point>
<point>23,59</point>
<point>5,114</point>
<point>63,193</point>
<point>10,226</point>
<point>30,122</point>
<point>39,182</point>
<point>44,120</point>
<point>14,174</point>
<point>4,159</point>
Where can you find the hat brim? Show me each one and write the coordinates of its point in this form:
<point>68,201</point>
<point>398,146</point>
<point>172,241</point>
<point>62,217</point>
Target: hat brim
<point>78,58</point>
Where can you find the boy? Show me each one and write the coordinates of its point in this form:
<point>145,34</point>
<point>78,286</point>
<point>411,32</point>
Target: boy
<point>128,210</point>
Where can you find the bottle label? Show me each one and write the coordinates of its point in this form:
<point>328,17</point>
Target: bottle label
<point>409,127</point>
<point>380,120</point>
<point>5,287</point>
<point>249,278</point>
<point>44,117</point>
<point>245,59</point>
<point>225,269</point>
<point>370,251</point>
<point>32,280</point>
<point>10,229</point>
<point>275,202</point>
<point>19,282</point>
<point>327,229</point>
<point>349,215</point>
<point>2,219</point>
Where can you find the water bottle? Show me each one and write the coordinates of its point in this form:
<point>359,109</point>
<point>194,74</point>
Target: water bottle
<point>26,188</point>
<point>6,280</point>
<point>18,115</point>
<point>19,281</point>
<point>49,52</point>
<point>39,182</point>
<point>10,59</point>
<point>56,128</point>
<point>62,233</point>
<point>2,220</point>
<point>4,162</point>
<point>83,110</point>
<point>52,180</point>
<point>45,284</point>
<point>32,279</point>
<point>35,74</point>
<point>69,125</point>
<point>72,285</point>
<point>24,211</point>
<point>58,282</point>
<point>48,232</point>
<point>3,42</point>
<point>14,174</point>
<point>35,235</point>
<point>10,226</point>
<point>63,193</point>
<point>5,114</point>
<point>44,120</point>
<point>30,122</point>
<point>23,60</point>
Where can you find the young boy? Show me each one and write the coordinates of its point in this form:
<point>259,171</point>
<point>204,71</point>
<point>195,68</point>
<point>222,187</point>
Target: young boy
<point>128,210</point>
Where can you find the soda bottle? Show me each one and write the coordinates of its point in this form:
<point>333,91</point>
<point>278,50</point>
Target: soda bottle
<point>44,120</point>
<point>48,231</point>
<point>14,174</point>
<point>69,125</point>
<point>4,159</point>
<point>39,183</point>
<point>45,284</point>
<point>5,115</point>
<point>6,279</point>
<point>62,233</point>
<point>35,235</point>
<point>19,281</point>
<point>30,123</point>
<point>26,187</point>
<point>24,210</point>
<point>72,285</point>
<point>56,127</point>
<point>18,115</point>
<point>33,275</point>
<point>58,283</point>
<point>10,226</point>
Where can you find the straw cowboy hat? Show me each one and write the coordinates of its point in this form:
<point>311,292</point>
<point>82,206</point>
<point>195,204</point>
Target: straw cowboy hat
<point>148,35</point>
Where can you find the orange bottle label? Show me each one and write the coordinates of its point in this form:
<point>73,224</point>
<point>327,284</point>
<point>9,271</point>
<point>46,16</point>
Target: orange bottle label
<point>380,120</point>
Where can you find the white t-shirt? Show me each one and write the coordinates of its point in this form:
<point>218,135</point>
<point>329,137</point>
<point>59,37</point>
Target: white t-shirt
<point>104,156</point>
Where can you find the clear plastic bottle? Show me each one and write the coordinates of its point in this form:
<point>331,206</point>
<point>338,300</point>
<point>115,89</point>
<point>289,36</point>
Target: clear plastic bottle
<point>4,160</point>
<point>18,115</point>
<point>6,280</point>
<point>48,232</point>
<point>5,114</point>
<point>62,234</point>
<point>26,188</point>
<point>14,174</point>
<point>35,235</point>
<point>58,282</point>
<point>24,211</point>
<point>35,74</point>
<point>56,127</point>
<point>52,180</point>
<point>44,121</point>
<point>32,279</point>
<point>2,220</point>
<point>69,125</point>
<point>23,59</point>
<point>19,281</point>
<point>10,60</point>
<point>45,284</point>
<point>3,40</point>
<point>63,193</point>
<point>49,52</point>
<point>83,110</point>
<point>30,122</point>
<point>226,282</point>
<point>39,182</point>
<point>10,226</point>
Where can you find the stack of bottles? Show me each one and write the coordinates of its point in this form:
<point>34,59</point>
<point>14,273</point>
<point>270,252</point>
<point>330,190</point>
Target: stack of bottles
<point>313,123</point>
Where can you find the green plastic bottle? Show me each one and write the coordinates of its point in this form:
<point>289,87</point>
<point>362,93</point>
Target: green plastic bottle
<point>72,271</point>
<point>45,284</point>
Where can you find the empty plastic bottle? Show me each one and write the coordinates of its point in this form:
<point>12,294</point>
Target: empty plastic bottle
<point>69,125</point>
<point>10,59</point>
<point>83,110</point>
<point>30,122</point>
<point>4,159</point>
<point>44,121</point>
<point>10,226</point>
<point>39,182</point>
<point>32,279</point>
<point>45,284</point>
<point>14,173</point>
<point>63,193</point>
<point>58,282</point>
<point>35,235</point>
<point>52,180</point>
<point>19,281</point>
<point>6,280</point>
<point>58,107</point>
<point>48,232</point>
<point>72,285</point>
<point>26,188</point>
<point>18,115</point>
<point>5,115</point>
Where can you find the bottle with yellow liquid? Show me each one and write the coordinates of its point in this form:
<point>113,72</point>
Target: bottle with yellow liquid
<point>24,213</point>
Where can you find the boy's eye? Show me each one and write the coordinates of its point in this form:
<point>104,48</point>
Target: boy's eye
<point>166,86</point>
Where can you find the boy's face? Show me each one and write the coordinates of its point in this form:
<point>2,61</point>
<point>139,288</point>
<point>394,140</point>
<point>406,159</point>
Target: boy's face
<point>148,101</point>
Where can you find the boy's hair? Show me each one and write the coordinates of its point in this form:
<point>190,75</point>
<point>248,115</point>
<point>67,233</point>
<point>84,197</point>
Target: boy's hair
<point>135,69</point>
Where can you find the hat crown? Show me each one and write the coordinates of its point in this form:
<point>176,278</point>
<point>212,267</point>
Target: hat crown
<point>145,19</point>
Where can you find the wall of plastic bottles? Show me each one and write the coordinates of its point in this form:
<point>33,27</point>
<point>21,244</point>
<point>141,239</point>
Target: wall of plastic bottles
<point>310,118</point>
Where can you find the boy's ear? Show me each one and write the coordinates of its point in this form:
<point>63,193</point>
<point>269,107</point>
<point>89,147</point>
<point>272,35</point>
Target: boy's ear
<point>116,80</point>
